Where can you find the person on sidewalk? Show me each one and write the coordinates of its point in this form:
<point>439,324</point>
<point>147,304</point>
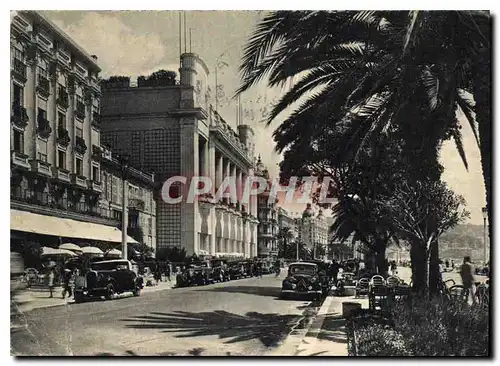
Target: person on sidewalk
<point>167,271</point>
<point>467,274</point>
<point>66,280</point>
<point>51,277</point>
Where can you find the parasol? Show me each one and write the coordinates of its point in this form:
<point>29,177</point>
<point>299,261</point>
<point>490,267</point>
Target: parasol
<point>46,251</point>
<point>70,246</point>
<point>91,250</point>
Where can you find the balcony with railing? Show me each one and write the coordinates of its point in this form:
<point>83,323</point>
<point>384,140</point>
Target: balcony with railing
<point>62,99</point>
<point>19,116</point>
<point>96,119</point>
<point>19,70</point>
<point>94,186</point>
<point>80,146</point>
<point>48,204</point>
<point>96,152</point>
<point>79,180</point>
<point>43,86</point>
<point>62,174</point>
<point>63,136</point>
<point>41,167</point>
<point>20,159</point>
<point>80,110</point>
<point>136,203</point>
<point>43,127</point>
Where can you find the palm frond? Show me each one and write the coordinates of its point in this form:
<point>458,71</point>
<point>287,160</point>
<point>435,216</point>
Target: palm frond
<point>467,108</point>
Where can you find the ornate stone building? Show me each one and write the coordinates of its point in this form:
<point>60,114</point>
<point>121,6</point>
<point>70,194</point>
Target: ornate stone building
<point>170,128</point>
<point>56,159</point>
<point>313,229</point>
<point>268,218</point>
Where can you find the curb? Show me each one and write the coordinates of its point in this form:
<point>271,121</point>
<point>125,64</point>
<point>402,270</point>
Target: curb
<point>290,345</point>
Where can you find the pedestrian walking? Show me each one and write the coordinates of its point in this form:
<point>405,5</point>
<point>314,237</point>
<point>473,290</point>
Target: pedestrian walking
<point>51,277</point>
<point>467,274</point>
<point>66,281</point>
<point>167,271</point>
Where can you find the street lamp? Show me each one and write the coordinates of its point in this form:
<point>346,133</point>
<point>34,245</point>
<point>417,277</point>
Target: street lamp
<point>485,217</point>
<point>124,168</point>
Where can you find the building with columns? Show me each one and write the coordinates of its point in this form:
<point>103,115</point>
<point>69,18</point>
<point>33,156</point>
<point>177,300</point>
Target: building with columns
<point>57,164</point>
<point>268,230</point>
<point>170,128</point>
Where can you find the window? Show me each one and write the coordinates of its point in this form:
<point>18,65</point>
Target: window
<point>61,158</point>
<point>42,68</point>
<point>150,226</point>
<point>61,91</point>
<point>42,114</point>
<point>61,120</point>
<point>79,167</point>
<point>18,141</point>
<point>18,55</point>
<point>42,151</point>
<point>79,132</point>
<point>117,215</point>
<point>18,95</point>
<point>95,173</point>
<point>114,190</point>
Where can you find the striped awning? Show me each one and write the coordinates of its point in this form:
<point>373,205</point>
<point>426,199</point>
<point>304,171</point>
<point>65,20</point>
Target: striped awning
<point>50,225</point>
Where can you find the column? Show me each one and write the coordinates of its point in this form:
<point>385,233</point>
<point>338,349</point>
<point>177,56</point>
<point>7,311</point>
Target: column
<point>233,180</point>
<point>227,172</point>
<point>206,159</point>
<point>219,170</point>
<point>212,174</point>
<point>189,168</point>
<point>239,186</point>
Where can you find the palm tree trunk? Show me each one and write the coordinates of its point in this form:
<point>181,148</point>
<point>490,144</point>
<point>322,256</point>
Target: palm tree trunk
<point>482,97</point>
<point>419,266</point>
<point>434,268</point>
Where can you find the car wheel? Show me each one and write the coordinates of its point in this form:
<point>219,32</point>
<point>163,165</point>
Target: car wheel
<point>137,291</point>
<point>79,298</point>
<point>284,296</point>
<point>110,292</point>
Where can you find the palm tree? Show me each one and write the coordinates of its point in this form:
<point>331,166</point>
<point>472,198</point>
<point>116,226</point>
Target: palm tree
<point>285,236</point>
<point>371,72</point>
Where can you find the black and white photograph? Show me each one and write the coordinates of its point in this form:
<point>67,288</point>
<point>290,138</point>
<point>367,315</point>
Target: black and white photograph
<point>242,183</point>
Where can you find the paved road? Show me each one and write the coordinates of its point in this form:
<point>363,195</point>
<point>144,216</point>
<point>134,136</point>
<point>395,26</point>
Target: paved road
<point>243,317</point>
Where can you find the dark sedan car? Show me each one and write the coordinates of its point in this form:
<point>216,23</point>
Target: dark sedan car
<point>107,278</point>
<point>302,279</point>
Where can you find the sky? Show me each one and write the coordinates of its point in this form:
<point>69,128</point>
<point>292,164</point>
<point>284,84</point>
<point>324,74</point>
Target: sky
<point>134,43</point>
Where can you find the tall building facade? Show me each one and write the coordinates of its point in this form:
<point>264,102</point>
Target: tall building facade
<point>268,229</point>
<point>56,170</point>
<point>313,229</point>
<point>171,129</point>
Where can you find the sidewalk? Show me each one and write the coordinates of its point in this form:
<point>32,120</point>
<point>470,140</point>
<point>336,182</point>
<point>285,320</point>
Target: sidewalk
<point>27,299</point>
<point>327,334</point>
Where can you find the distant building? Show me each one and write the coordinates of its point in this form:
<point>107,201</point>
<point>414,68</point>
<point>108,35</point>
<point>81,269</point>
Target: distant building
<point>313,229</point>
<point>171,129</point>
<point>267,234</point>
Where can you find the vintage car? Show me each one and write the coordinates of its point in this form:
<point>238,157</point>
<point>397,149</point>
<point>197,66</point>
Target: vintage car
<point>220,275</point>
<point>236,270</point>
<point>323,273</point>
<point>107,278</point>
<point>302,279</point>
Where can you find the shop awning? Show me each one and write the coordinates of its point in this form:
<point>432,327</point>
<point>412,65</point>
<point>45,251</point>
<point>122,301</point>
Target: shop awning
<point>50,225</point>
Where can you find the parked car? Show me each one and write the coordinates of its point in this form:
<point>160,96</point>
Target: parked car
<point>323,273</point>
<point>107,278</point>
<point>302,279</point>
